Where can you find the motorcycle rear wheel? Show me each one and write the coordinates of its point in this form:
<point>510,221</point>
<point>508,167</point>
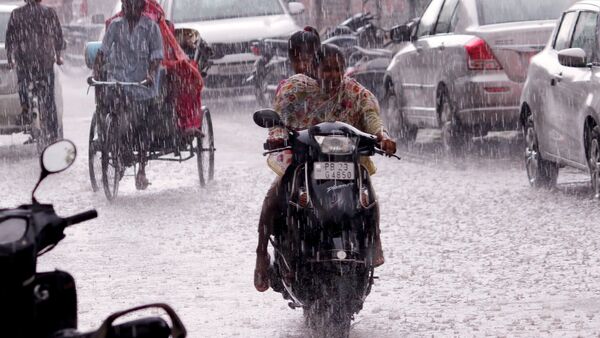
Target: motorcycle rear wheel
<point>329,318</point>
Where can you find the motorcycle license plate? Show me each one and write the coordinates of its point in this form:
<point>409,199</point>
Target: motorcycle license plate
<point>333,171</point>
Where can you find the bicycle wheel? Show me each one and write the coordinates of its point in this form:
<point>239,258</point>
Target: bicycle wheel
<point>95,154</point>
<point>38,130</point>
<point>112,165</point>
<point>205,150</point>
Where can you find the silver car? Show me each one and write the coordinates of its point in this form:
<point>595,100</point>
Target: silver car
<point>10,106</point>
<point>230,27</point>
<point>560,101</point>
<point>464,64</point>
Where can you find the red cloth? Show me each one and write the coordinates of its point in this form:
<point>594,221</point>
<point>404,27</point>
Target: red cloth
<point>84,8</point>
<point>183,73</point>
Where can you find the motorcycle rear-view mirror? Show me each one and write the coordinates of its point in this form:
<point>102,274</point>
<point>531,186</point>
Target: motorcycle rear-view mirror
<point>58,156</point>
<point>403,33</point>
<point>267,118</point>
<point>55,158</point>
<point>177,330</point>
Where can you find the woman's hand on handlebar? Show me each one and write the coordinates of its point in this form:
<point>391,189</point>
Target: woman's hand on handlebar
<point>386,143</point>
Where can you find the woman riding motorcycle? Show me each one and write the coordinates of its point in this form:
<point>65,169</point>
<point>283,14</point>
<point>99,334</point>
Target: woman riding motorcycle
<point>303,102</point>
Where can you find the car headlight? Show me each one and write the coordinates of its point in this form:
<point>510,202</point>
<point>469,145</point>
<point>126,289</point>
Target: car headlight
<point>336,145</point>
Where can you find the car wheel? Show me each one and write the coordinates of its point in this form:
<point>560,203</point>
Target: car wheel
<point>594,161</point>
<point>454,140</point>
<point>393,118</point>
<point>540,173</point>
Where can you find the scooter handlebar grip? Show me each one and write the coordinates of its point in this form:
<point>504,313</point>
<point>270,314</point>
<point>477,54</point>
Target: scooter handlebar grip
<point>82,217</point>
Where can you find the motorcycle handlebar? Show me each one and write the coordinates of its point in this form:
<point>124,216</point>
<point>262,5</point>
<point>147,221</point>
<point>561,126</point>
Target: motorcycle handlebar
<point>150,327</point>
<point>82,217</point>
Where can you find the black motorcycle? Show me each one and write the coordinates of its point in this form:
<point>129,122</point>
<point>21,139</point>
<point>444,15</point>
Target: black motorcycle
<point>44,304</point>
<point>324,243</point>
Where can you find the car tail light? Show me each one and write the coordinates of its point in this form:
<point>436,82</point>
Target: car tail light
<point>481,56</point>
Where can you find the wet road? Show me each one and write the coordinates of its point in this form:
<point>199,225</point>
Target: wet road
<point>470,248</point>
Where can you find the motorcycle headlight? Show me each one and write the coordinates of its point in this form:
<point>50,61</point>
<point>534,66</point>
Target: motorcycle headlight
<point>336,145</point>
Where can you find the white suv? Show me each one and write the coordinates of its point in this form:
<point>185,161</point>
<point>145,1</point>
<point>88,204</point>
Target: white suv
<point>230,27</point>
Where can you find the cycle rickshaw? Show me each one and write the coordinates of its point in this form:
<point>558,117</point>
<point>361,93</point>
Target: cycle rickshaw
<point>186,132</point>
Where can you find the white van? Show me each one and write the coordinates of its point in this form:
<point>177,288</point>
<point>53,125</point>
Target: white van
<point>230,26</point>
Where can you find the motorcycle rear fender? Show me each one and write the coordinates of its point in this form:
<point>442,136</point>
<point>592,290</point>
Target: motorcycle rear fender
<point>331,200</point>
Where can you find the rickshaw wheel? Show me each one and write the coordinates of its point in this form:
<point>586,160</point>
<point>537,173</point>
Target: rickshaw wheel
<point>205,150</point>
<point>95,154</point>
<point>112,166</point>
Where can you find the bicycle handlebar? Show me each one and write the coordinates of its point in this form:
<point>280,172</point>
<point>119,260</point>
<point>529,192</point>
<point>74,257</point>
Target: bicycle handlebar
<point>93,82</point>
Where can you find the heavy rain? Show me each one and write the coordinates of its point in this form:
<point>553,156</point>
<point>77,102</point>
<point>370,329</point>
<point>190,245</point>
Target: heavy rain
<point>309,168</point>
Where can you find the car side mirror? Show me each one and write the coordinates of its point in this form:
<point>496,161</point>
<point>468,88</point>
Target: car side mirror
<point>296,8</point>
<point>572,57</point>
<point>98,19</point>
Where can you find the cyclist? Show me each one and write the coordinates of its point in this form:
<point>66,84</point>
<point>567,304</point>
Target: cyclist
<point>34,41</point>
<point>132,51</point>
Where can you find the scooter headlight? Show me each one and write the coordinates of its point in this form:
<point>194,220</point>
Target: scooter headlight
<point>335,144</point>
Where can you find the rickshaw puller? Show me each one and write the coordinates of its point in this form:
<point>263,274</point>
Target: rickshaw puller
<point>132,50</point>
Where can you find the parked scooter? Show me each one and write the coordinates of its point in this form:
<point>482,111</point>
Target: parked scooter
<point>44,304</point>
<point>357,36</point>
<point>324,244</point>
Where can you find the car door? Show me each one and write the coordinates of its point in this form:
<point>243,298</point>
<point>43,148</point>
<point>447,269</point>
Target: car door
<point>575,88</point>
<point>548,119</point>
<point>416,59</point>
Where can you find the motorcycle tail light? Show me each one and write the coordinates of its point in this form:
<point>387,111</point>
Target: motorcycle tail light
<point>303,198</point>
<point>336,145</point>
<point>364,197</point>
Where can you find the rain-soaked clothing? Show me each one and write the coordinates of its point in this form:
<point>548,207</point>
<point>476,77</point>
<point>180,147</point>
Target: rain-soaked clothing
<point>301,104</point>
<point>185,81</point>
<point>129,54</point>
<point>33,38</point>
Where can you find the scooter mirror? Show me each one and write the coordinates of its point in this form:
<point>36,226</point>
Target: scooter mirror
<point>58,156</point>
<point>267,118</point>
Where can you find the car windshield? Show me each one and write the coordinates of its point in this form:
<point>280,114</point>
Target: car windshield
<point>494,11</point>
<point>201,10</point>
<point>3,25</point>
